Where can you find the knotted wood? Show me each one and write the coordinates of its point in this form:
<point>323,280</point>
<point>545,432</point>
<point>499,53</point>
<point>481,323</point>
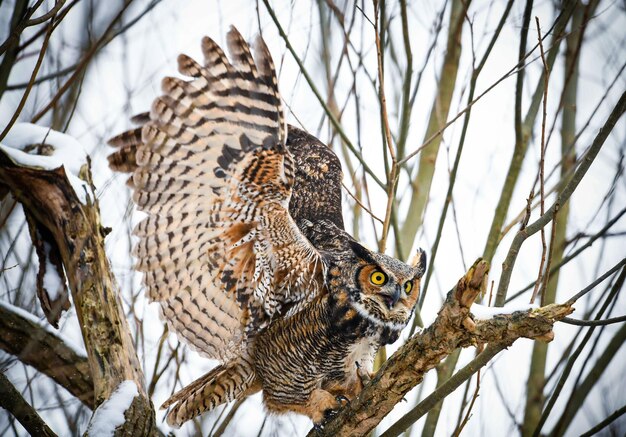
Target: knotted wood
<point>74,230</point>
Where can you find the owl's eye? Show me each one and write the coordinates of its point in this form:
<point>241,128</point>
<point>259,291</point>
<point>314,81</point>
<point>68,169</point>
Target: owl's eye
<point>378,278</point>
<point>408,287</point>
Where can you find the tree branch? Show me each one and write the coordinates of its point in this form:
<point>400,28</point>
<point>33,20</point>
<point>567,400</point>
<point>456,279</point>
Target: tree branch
<point>13,402</point>
<point>32,344</point>
<point>454,327</point>
<point>444,390</point>
<point>73,228</point>
<point>562,197</point>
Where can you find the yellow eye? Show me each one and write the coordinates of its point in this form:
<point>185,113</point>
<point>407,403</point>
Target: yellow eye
<point>408,287</point>
<point>378,278</point>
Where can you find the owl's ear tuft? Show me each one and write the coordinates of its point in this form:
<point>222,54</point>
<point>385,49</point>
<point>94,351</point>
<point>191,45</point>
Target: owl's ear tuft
<point>362,252</point>
<point>419,262</point>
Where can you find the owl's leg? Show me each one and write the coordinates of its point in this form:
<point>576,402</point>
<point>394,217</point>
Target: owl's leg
<point>320,405</point>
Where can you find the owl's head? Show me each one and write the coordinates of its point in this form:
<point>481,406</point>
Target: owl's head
<point>385,290</point>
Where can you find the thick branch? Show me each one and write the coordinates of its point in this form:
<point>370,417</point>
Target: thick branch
<point>76,232</point>
<point>46,352</point>
<point>454,327</point>
<point>12,401</point>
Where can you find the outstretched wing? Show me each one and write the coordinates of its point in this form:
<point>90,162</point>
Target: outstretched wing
<point>219,249</point>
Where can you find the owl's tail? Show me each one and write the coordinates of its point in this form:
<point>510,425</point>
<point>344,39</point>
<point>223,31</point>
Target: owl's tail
<point>226,382</point>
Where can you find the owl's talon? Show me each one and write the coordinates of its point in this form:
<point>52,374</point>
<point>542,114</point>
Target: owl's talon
<point>343,401</point>
<point>329,414</point>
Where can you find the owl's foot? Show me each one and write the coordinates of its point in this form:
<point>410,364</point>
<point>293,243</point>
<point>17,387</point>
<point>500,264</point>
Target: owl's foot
<point>323,406</point>
<point>329,414</point>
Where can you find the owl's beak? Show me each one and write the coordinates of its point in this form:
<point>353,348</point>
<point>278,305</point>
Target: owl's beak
<point>392,299</point>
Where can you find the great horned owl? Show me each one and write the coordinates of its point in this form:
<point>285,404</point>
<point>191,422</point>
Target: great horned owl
<point>244,245</point>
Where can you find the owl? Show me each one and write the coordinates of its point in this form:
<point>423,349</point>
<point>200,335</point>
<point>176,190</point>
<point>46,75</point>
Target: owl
<point>244,246</point>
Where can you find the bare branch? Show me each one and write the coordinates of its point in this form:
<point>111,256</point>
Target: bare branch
<point>12,401</point>
<point>562,197</point>
<point>34,345</point>
<point>578,322</point>
<point>606,422</point>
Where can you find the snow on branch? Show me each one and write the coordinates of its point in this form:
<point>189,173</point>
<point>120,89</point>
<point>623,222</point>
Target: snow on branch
<point>76,348</point>
<point>30,146</point>
<point>65,225</point>
<point>483,312</point>
<point>55,149</point>
<point>110,414</point>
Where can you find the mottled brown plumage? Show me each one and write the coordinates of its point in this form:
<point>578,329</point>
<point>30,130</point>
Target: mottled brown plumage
<point>243,245</point>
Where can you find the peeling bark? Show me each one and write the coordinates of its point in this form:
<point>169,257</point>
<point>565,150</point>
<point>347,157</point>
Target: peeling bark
<point>78,236</point>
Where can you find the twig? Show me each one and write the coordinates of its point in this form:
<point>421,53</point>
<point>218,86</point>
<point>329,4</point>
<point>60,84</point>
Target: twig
<point>20,106</point>
<point>229,417</point>
<point>562,197</point>
<point>405,114</point>
<point>521,144</point>
<point>392,178</point>
<point>570,363</point>
<point>528,212</point>
<point>106,37</point>
<point>606,422</point>
<point>574,254</point>
<point>578,322</point>
<point>506,75</point>
<point>321,100</point>
<point>361,204</point>
<point>21,14</point>
<point>519,80</point>
<point>475,73</point>
<point>58,4</point>
<point>581,391</point>
<point>466,419</point>
<point>544,114</point>
<point>591,286</point>
<point>444,390</point>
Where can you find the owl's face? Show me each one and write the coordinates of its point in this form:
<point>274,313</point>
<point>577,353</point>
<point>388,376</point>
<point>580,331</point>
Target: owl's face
<point>386,289</point>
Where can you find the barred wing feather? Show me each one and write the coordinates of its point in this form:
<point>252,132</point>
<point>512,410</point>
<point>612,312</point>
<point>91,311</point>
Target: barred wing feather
<point>218,248</point>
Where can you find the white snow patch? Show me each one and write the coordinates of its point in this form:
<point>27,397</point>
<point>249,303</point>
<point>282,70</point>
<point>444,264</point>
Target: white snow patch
<point>68,152</point>
<point>482,312</point>
<point>52,281</point>
<point>78,349</point>
<point>110,414</point>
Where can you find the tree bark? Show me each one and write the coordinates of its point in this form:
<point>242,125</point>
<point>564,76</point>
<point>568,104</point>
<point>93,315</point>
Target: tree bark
<point>44,351</point>
<point>12,401</point>
<point>75,230</point>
